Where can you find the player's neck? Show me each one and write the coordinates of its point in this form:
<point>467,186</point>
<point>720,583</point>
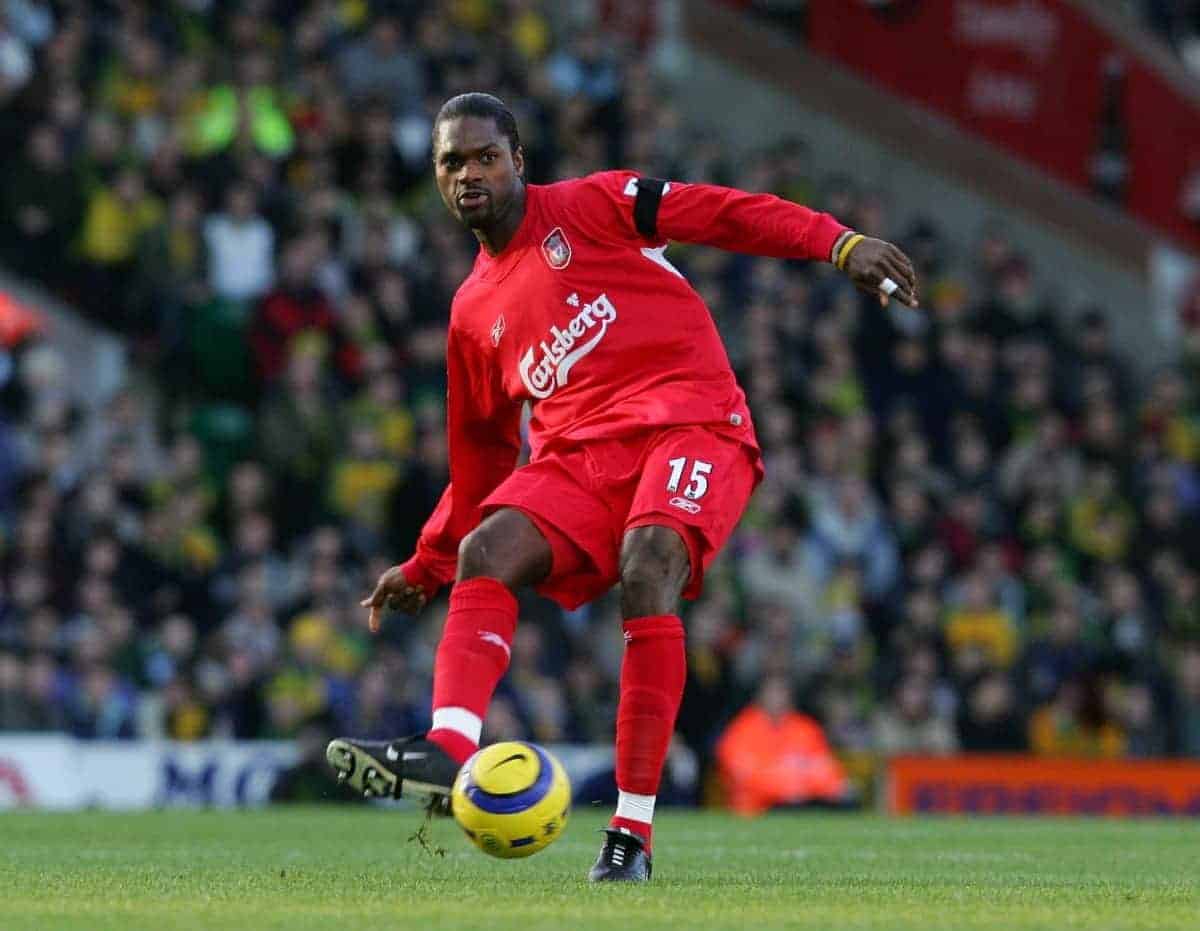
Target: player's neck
<point>501,233</point>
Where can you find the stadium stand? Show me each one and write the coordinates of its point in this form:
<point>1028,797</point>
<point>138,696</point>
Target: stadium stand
<point>979,526</point>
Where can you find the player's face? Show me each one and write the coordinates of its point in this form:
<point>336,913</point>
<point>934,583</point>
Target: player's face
<point>477,173</point>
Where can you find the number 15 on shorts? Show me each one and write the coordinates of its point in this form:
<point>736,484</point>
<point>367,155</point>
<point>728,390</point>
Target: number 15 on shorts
<point>697,483</point>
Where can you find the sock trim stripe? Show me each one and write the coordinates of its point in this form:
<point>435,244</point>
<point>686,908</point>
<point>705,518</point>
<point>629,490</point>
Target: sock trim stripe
<point>635,807</point>
<point>460,720</point>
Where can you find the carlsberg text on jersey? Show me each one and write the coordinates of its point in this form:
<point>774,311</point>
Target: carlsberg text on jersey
<point>560,355</point>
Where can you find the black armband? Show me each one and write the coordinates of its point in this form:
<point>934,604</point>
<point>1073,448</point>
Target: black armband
<point>645,206</point>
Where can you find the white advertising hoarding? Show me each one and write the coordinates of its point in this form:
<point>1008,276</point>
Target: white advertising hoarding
<point>56,772</point>
<point>50,771</point>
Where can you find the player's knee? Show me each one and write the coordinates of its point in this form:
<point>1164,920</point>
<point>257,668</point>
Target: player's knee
<point>654,570</point>
<point>505,547</point>
<point>473,554</point>
<point>481,554</point>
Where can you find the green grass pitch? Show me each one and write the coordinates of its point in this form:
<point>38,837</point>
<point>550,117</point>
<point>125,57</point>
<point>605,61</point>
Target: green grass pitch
<point>322,868</point>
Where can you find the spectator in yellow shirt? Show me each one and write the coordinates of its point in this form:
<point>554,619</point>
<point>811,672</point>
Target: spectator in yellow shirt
<point>116,215</point>
<point>980,622</point>
<point>363,479</point>
<point>1076,723</point>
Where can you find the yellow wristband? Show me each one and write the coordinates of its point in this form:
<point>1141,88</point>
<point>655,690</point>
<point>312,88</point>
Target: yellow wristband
<point>847,249</point>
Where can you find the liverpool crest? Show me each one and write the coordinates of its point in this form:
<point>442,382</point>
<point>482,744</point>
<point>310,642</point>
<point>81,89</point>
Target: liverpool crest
<point>556,249</point>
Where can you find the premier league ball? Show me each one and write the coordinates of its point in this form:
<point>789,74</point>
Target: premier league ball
<point>511,799</point>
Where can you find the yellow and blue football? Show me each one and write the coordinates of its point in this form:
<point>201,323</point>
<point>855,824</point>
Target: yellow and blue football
<point>511,799</point>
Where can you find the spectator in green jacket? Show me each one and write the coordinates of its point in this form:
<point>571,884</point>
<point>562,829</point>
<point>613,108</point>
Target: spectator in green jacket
<point>246,114</point>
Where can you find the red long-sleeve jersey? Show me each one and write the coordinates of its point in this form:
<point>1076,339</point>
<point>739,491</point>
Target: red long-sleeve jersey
<point>583,316</point>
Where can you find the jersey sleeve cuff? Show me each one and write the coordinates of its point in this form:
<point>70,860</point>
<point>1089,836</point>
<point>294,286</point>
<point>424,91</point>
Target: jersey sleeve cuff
<point>825,233</point>
<point>416,573</point>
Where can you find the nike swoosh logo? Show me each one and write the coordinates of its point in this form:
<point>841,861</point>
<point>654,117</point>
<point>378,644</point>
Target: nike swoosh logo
<point>490,637</point>
<point>507,759</point>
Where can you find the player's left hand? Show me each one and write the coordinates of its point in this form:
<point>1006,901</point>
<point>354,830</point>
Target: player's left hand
<point>874,263</point>
<point>394,591</point>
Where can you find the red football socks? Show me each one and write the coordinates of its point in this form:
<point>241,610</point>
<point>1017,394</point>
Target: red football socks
<point>652,677</point>
<point>643,829</point>
<point>471,659</point>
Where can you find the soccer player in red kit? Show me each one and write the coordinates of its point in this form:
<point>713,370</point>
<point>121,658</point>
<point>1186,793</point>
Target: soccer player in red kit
<point>643,453</point>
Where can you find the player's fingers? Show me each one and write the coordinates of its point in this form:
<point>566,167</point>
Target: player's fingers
<point>888,285</point>
<point>898,269</point>
<point>376,597</point>
<point>872,283</point>
<point>373,620</point>
<point>382,589</point>
<point>904,291</point>
<point>880,277</point>
<point>900,258</point>
<point>904,281</point>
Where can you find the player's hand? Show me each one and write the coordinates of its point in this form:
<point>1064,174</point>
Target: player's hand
<point>873,262</point>
<point>392,591</point>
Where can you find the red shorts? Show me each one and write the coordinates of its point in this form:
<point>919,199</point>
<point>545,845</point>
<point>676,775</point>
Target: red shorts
<point>691,479</point>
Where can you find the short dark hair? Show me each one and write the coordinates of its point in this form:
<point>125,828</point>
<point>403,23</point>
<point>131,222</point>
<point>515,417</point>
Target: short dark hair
<point>484,106</point>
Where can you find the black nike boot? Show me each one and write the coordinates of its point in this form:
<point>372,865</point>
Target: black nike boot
<point>623,858</point>
<point>409,767</point>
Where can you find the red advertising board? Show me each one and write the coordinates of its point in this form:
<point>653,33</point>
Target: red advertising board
<point>1028,76</point>
<point>1020,785</point>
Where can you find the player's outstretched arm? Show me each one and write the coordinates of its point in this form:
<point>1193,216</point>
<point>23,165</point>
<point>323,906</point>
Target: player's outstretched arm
<point>626,207</point>
<point>877,267</point>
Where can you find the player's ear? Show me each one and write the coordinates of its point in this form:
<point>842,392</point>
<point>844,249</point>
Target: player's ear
<point>519,161</point>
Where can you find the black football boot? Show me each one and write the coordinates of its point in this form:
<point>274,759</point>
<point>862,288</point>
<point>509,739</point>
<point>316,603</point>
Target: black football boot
<point>410,767</point>
<point>623,858</point>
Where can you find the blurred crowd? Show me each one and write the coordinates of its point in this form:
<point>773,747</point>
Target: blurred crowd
<point>979,526</point>
<point>1177,22</point>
